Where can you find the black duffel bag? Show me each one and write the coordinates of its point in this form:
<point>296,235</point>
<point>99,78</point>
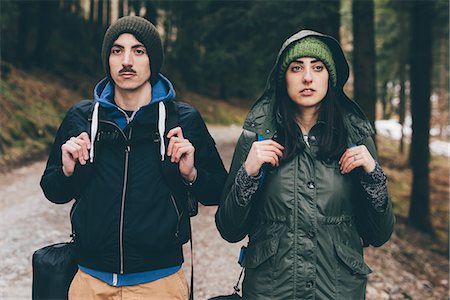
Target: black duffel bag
<point>234,296</point>
<point>54,267</point>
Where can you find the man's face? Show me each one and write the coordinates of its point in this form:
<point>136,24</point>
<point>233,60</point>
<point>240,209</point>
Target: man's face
<point>129,64</point>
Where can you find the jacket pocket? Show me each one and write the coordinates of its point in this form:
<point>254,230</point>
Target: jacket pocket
<point>260,268</point>
<point>352,260</point>
<point>259,252</point>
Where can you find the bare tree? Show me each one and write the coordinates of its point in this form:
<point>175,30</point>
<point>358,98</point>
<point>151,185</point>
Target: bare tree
<point>47,11</point>
<point>25,8</point>
<point>114,10</point>
<point>421,45</point>
<point>364,57</point>
<point>402,78</point>
<point>150,11</point>
<point>100,16</point>
<point>108,13</point>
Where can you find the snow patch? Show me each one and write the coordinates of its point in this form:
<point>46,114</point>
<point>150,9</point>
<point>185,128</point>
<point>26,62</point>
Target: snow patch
<point>393,129</point>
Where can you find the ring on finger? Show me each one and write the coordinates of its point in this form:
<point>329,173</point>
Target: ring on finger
<point>354,157</point>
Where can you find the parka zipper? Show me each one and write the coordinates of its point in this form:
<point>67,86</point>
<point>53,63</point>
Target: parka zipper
<point>295,227</point>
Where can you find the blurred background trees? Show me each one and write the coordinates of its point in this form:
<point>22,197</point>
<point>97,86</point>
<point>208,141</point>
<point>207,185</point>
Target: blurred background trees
<point>398,52</point>
<point>219,48</point>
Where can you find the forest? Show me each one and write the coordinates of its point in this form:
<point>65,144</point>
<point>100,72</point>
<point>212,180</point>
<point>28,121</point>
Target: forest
<point>398,51</point>
<point>224,49</point>
<point>218,54</point>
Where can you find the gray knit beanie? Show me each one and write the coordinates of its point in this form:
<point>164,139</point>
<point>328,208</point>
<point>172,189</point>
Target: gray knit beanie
<point>145,32</point>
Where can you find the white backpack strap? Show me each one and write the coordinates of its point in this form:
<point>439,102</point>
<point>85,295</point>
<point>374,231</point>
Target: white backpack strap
<point>162,128</point>
<point>94,129</point>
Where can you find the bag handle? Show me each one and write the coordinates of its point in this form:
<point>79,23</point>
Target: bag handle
<point>191,289</point>
<point>240,260</point>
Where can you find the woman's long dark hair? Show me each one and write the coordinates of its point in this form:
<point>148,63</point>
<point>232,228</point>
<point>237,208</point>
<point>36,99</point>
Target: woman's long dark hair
<point>332,141</point>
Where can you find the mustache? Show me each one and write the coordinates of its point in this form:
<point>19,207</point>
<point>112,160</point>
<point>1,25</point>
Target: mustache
<point>127,70</point>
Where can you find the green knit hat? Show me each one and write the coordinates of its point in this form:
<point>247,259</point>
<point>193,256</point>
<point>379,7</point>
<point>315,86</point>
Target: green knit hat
<point>309,47</point>
<point>145,32</point>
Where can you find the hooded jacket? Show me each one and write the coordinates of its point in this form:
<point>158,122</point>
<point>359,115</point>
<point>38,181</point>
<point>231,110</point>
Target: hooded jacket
<point>125,218</point>
<point>306,222</point>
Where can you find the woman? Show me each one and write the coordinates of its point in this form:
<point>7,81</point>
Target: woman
<point>304,183</point>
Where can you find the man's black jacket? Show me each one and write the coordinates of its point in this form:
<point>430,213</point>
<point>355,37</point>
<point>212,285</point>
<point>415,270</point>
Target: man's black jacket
<point>125,218</point>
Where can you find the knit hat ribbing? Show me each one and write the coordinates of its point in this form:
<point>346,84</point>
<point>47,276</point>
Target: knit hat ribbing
<point>309,47</point>
<point>145,32</point>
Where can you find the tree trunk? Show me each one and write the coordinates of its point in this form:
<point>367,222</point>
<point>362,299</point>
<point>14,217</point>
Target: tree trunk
<point>24,27</point>
<point>421,28</point>
<point>335,21</point>
<point>47,10</point>
<point>136,5</point>
<point>364,57</point>
<point>402,78</point>
<point>402,104</point>
<point>108,13</point>
<point>75,7</point>
<point>384,99</point>
<point>186,55</point>
<point>150,12</point>
<point>121,8</point>
<point>97,36</point>
<point>125,8</point>
<point>114,11</point>
<point>168,24</point>
<point>443,86</point>
<point>100,17</point>
<point>92,11</point>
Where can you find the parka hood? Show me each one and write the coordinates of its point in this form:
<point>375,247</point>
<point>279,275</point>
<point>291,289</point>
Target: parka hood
<point>262,117</point>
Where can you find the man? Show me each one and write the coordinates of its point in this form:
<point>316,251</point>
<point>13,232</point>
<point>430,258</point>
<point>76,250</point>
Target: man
<point>128,225</point>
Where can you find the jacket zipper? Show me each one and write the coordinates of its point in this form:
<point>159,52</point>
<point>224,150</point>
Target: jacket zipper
<point>115,125</point>
<point>124,190</point>
<point>122,205</point>
<point>72,212</point>
<point>295,227</point>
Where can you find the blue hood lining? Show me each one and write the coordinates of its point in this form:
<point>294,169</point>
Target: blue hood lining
<point>162,91</point>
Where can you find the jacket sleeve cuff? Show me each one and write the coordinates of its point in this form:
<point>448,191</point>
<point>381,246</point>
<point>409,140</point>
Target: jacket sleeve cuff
<point>198,183</point>
<point>375,186</point>
<point>246,186</point>
<point>62,180</point>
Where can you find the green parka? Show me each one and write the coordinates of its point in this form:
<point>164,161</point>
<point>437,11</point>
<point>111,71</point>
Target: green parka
<point>307,223</point>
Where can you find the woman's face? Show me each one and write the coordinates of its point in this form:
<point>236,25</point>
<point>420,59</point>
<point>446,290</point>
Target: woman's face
<point>307,82</point>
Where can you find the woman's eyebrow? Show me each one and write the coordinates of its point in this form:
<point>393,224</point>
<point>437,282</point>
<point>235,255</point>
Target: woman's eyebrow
<point>299,60</point>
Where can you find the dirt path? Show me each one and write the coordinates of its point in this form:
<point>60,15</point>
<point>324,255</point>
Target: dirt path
<point>28,221</point>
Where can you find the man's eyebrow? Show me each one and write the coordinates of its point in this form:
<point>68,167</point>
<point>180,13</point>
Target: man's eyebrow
<point>133,47</point>
<point>137,46</point>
